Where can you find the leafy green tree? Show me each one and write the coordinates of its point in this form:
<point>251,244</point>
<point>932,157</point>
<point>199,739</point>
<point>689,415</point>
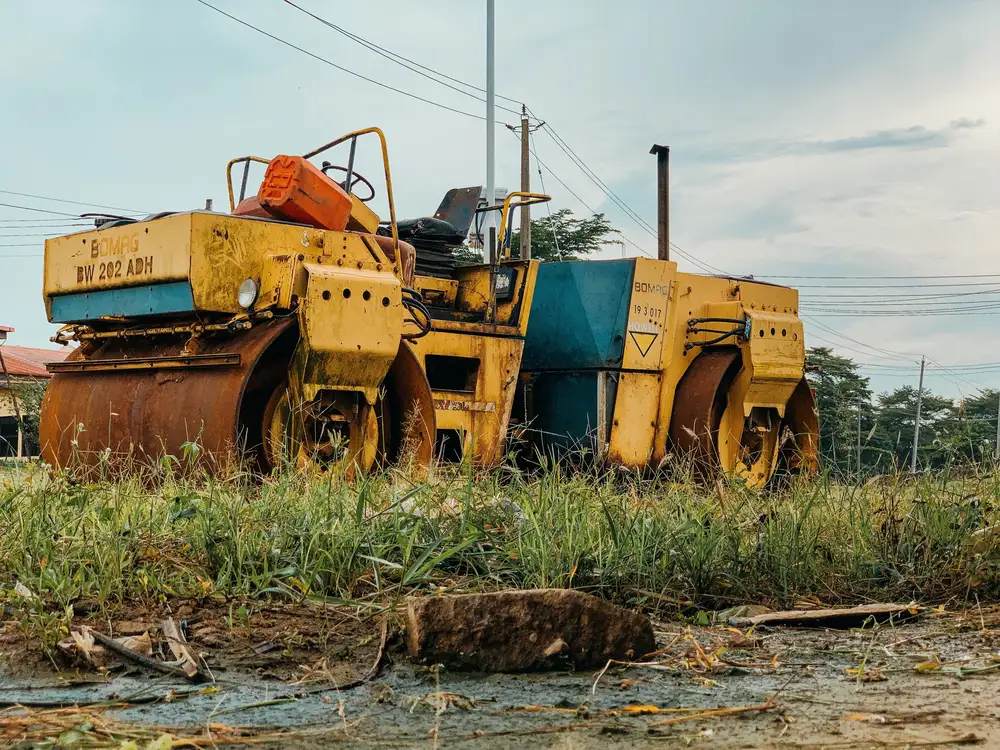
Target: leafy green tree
<point>968,434</point>
<point>561,237</point>
<point>553,238</point>
<point>30,393</point>
<point>894,433</point>
<point>841,394</point>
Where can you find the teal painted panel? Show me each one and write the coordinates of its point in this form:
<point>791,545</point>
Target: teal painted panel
<point>564,406</point>
<point>578,315</point>
<point>133,301</point>
<point>564,409</point>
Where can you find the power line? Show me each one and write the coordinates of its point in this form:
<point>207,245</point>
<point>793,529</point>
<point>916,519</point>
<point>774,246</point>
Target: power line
<point>628,210</point>
<point>881,298</point>
<point>987,365</point>
<point>834,313</point>
<point>339,67</point>
<point>405,62</point>
<point>76,203</point>
<point>39,210</point>
<point>40,221</point>
<point>884,353</point>
<point>397,58</point>
<point>889,286</point>
<point>541,181</point>
<point>936,276</point>
<point>558,140</point>
<point>49,227</point>
<point>57,234</point>
<point>556,177</point>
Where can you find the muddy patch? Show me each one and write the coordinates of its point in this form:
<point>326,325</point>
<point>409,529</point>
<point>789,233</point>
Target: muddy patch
<point>927,683</point>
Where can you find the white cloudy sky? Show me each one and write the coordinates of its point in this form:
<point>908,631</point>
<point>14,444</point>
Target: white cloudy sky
<point>808,138</point>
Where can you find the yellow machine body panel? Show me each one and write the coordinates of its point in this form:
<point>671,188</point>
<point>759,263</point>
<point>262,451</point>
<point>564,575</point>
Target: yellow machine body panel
<point>473,355</point>
<point>213,253</point>
<point>351,323</point>
<point>139,253</point>
<point>473,397</point>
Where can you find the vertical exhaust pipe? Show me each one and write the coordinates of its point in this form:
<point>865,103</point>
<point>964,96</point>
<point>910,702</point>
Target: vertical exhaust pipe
<point>662,200</point>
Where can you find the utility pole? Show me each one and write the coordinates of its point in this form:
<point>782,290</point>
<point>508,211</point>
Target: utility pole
<point>858,468</point>
<point>916,422</point>
<point>525,131</point>
<point>491,193</point>
<point>996,451</point>
<point>525,187</point>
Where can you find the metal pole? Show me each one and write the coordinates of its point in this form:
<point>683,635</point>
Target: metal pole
<point>491,193</point>
<point>525,188</point>
<point>996,451</point>
<point>916,422</point>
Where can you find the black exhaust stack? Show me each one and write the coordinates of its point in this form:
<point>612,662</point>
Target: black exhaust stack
<point>663,200</point>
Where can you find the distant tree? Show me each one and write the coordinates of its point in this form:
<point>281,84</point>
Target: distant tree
<point>897,411</point>
<point>467,256</point>
<point>841,392</point>
<point>30,394</point>
<point>553,238</point>
<point>968,433</point>
<point>561,237</point>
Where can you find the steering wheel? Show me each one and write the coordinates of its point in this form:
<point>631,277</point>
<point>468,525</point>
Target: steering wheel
<point>356,177</point>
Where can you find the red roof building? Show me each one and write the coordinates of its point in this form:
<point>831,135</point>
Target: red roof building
<point>24,365</point>
<point>24,361</point>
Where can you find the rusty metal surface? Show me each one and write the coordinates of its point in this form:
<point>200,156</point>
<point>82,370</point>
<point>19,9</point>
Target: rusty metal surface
<point>407,419</point>
<point>801,453</point>
<point>698,406</point>
<point>183,362</point>
<point>141,416</point>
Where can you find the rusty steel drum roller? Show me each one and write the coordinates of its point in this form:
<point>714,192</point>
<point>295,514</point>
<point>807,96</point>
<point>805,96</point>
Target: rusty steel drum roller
<point>128,405</point>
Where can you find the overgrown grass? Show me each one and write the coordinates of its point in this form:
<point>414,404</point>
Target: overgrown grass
<point>632,540</point>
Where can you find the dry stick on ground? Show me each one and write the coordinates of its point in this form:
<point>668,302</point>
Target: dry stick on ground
<point>767,705</point>
<point>126,653</point>
<point>966,739</point>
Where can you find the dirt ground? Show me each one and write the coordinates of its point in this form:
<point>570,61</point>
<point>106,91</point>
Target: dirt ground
<point>931,682</point>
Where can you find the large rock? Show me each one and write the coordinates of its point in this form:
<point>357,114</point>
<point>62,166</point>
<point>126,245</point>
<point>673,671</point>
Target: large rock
<point>516,631</point>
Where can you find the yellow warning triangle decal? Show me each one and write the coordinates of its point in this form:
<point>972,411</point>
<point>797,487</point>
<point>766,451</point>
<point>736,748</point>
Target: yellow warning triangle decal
<point>643,341</point>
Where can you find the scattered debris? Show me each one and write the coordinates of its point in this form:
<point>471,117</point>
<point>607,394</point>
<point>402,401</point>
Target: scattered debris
<point>515,631</point>
<point>725,616</point>
<point>830,618</point>
<point>23,591</point>
<point>176,643</point>
<point>371,674</point>
<point>82,646</point>
<point>440,701</point>
<point>120,649</point>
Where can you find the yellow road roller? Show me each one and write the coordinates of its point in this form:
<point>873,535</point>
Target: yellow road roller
<point>302,329</point>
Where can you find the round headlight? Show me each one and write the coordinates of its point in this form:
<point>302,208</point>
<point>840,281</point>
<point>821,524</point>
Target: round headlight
<point>247,294</point>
